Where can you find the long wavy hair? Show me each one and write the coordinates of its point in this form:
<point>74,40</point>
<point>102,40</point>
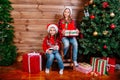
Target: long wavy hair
<point>56,37</point>
<point>69,17</point>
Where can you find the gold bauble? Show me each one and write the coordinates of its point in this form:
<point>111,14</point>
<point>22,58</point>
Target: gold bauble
<point>105,32</point>
<point>95,33</point>
<point>112,14</point>
<point>94,5</point>
<point>91,1</point>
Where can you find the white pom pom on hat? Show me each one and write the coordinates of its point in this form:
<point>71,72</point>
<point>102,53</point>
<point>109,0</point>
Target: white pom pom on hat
<point>50,26</point>
<point>68,7</point>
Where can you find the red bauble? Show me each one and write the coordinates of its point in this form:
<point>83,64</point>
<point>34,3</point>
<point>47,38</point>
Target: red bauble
<point>92,16</point>
<point>81,36</point>
<point>112,26</point>
<point>105,4</point>
<point>105,47</point>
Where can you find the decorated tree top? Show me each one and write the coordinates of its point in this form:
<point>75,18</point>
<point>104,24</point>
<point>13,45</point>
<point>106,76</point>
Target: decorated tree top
<point>100,28</point>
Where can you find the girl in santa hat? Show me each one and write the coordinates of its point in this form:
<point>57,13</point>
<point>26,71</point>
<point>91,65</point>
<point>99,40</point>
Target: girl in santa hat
<point>67,23</point>
<point>51,47</point>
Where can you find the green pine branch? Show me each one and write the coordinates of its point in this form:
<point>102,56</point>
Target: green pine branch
<point>99,36</point>
<point>7,47</point>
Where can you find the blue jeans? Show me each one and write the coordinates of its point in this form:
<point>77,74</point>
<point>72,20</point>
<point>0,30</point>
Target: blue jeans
<point>66,41</point>
<point>50,58</point>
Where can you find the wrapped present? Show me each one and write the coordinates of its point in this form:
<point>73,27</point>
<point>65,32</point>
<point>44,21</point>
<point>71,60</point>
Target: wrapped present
<point>84,68</point>
<point>99,65</point>
<point>111,62</point>
<point>71,33</point>
<point>32,62</point>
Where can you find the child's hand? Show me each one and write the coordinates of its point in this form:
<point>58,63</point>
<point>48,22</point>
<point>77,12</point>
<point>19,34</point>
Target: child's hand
<point>63,32</point>
<point>49,51</point>
<point>56,47</point>
<point>77,31</point>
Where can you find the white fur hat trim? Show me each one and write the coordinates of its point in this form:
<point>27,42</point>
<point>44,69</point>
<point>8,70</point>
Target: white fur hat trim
<point>52,25</point>
<point>68,8</point>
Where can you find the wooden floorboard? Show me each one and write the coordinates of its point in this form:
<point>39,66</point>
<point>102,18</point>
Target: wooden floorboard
<point>15,72</point>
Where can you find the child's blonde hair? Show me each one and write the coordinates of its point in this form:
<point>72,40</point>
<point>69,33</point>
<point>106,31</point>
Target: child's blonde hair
<point>69,17</point>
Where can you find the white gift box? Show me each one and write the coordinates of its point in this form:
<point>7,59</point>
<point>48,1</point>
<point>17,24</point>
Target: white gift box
<point>71,33</point>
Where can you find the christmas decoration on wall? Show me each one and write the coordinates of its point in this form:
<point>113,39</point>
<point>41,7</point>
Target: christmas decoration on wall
<point>7,48</point>
<point>101,30</point>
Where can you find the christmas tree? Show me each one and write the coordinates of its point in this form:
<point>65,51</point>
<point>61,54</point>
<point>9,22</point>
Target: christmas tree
<point>7,49</point>
<point>100,28</point>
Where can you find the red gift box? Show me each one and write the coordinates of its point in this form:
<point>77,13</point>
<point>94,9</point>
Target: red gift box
<point>110,64</point>
<point>32,62</point>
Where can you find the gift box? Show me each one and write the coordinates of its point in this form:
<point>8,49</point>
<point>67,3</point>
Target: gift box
<point>111,62</point>
<point>84,67</point>
<point>32,62</point>
<point>99,65</point>
<point>71,33</point>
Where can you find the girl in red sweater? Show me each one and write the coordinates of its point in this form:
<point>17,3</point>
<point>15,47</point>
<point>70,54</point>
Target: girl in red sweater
<point>51,45</point>
<point>67,23</point>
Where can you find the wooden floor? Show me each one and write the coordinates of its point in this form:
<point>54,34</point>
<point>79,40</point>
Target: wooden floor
<point>14,72</point>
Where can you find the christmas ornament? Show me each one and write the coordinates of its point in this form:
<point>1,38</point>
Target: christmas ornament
<point>94,5</point>
<point>91,2</point>
<point>92,16</point>
<point>95,33</point>
<point>112,26</point>
<point>105,32</point>
<point>86,13</point>
<point>112,14</point>
<point>81,36</point>
<point>105,47</point>
<point>105,4</point>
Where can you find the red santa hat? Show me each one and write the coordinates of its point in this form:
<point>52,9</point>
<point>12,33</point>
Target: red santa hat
<point>52,25</point>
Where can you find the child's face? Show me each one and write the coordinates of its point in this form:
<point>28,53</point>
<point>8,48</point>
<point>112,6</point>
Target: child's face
<point>52,31</point>
<point>66,12</point>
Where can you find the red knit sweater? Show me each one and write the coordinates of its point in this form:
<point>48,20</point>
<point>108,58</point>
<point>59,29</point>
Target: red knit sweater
<point>49,42</point>
<point>62,26</point>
